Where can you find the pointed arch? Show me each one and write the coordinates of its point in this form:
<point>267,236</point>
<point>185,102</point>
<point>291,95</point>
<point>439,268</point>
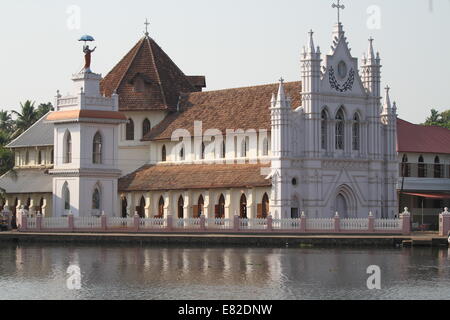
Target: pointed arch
<point>345,202</point>
<point>67,148</point>
<point>160,208</point>
<point>201,206</point>
<point>324,119</point>
<point>66,196</point>
<point>97,148</point>
<point>243,206</point>
<point>163,153</point>
<point>405,167</point>
<point>124,204</point>
<point>220,208</point>
<point>140,209</point>
<point>180,207</point>
<point>265,206</point>
<point>437,167</point>
<point>340,129</point>
<point>421,168</point>
<point>129,130</point>
<point>356,132</point>
<point>146,126</point>
<point>96,199</point>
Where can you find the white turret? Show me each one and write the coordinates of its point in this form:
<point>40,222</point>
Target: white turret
<point>371,71</point>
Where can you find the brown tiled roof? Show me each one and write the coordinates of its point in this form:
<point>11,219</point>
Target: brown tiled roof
<point>163,80</point>
<point>78,114</point>
<point>182,177</point>
<point>240,108</point>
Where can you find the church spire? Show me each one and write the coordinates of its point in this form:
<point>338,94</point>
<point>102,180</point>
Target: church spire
<point>370,51</point>
<point>146,23</point>
<point>282,101</point>
<point>387,100</point>
<point>311,48</point>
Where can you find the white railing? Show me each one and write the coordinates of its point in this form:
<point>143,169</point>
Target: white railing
<point>152,223</point>
<point>320,224</point>
<point>217,223</point>
<point>187,223</point>
<point>87,222</point>
<point>55,223</point>
<point>354,224</point>
<point>388,224</point>
<point>31,223</point>
<point>253,224</point>
<point>286,224</point>
<point>119,222</point>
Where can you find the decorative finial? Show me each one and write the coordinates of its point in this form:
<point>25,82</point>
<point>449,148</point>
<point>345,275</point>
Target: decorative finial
<point>387,89</point>
<point>146,27</point>
<point>281,80</point>
<point>338,6</point>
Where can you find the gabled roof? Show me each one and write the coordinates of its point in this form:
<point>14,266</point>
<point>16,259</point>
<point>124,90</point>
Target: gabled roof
<point>27,181</point>
<point>422,139</point>
<point>191,176</point>
<point>39,134</point>
<point>239,108</point>
<point>162,80</point>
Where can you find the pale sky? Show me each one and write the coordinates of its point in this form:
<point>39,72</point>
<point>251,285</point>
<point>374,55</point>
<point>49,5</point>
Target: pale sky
<point>233,43</point>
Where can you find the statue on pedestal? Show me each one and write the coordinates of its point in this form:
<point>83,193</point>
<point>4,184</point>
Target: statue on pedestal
<point>87,52</point>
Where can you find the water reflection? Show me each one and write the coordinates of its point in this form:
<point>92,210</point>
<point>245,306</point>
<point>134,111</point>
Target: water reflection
<point>135,272</point>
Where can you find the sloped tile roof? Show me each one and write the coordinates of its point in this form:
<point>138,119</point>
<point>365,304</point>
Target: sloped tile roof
<point>422,139</point>
<point>239,108</point>
<point>163,81</point>
<point>39,134</point>
<point>182,177</point>
<point>27,181</point>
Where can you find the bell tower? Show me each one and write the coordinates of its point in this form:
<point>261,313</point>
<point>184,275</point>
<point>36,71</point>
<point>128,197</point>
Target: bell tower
<point>86,128</point>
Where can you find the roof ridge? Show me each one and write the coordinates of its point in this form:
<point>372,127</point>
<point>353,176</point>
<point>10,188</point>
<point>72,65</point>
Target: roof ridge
<point>245,87</point>
<point>152,54</point>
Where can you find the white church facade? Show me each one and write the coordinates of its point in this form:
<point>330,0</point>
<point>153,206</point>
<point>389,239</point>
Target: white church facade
<point>146,139</point>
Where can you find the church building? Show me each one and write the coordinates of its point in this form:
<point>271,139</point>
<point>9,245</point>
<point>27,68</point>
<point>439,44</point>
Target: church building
<point>147,139</point>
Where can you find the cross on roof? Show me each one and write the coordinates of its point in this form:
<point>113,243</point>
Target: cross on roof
<point>338,6</point>
<point>281,80</point>
<point>146,26</point>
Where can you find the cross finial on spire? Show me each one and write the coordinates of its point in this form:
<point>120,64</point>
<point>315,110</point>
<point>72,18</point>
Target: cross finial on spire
<point>387,89</point>
<point>338,6</point>
<point>281,80</point>
<point>146,27</point>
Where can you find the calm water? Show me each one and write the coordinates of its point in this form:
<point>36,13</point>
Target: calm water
<point>134,272</point>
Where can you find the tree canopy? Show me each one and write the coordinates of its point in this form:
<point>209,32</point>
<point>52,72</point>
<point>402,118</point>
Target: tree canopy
<point>437,118</point>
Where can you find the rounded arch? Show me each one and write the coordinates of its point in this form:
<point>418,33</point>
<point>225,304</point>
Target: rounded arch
<point>345,202</point>
<point>129,130</point>
<point>243,206</point>
<point>146,126</point>
<point>97,148</point>
<point>220,207</point>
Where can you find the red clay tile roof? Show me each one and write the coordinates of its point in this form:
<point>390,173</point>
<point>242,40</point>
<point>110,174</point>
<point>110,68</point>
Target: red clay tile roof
<point>77,114</point>
<point>422,139</point>
<point>240,108</point>
<point>162,81</point>
<point>182,177</point>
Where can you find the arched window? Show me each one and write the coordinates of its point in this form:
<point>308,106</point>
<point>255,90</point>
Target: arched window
<point>96,199</point>
<point>129,130</point>
<point>265,151</point>
<point>220,208</point>
<point>201,206</point>
<point>68,148</point>
<point>265,206</point>
<point>202,155</point>
<point>66,196</point>
<point>141,208</point>
<point>97,149</point>
<point>180,207</point>
<point>243,207</point>
<point>421,168</point>
<point>163,154</point>
<point>356,133</point>
<point>160,208</point>
<point>406,169</point>
<point>339,134</point>
<point>124,207</point>
<point>437,168</point>
<point>146,127</point>
<point>324,130</point>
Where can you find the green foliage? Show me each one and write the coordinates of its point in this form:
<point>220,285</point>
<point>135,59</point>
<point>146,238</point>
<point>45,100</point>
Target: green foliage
<point>438,119</point>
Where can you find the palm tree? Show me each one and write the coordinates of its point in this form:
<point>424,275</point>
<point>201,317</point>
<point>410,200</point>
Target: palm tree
<point>43,109</point>
<point>26,117</point>
<point>6,122</point>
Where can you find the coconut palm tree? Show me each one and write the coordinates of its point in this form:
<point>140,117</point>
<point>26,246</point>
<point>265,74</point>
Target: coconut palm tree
<point>6,122</point>
<point>26,117</point>
<point>43,109</point>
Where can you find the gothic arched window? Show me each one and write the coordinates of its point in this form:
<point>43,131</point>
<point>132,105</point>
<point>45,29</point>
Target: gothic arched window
<point>243,207</point>
<point>220,208</point>
<point>437,168</point>
<point>356,133</point>
<point>68,147</point>
<point>129,130</point>
<point>66,196</point>
<point>421,168</point>
<point>97,147</point>
<point>96,199</point>
<point>161,208</point>
<point>163,154</point>
<point>145,127</point>
<point>180,207</point>
<point>405,166</point>
<point>265,206</point>
<point>340,135</point>
<point>324,130</point>
<point>201,206</point>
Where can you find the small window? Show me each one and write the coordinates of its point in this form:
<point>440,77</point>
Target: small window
<point>129,130</point>
<point>66,196</point>
<point>356,133</point>
<point>145,127</point>
<point>339,136</point>
<point>422,169</point>
<point>68,148</point>
<point>97,149</point>
<point>163,154</point>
